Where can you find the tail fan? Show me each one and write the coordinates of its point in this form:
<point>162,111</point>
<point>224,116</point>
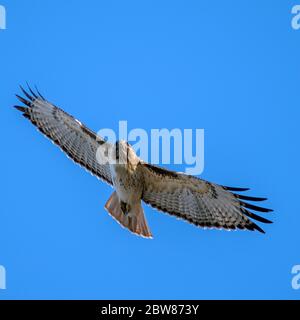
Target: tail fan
<point>134,221</point>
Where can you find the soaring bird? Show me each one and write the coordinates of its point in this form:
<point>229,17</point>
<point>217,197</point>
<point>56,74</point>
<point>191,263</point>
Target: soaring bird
<point>187,197</point>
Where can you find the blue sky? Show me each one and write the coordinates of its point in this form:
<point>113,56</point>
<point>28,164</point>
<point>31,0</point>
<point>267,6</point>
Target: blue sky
<point>230,67</point>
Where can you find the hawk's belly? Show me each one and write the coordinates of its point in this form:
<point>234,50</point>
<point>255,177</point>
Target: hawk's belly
<point>128,184</point>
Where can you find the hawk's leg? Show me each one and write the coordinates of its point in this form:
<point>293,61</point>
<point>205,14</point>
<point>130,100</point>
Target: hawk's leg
<point>125,207</point>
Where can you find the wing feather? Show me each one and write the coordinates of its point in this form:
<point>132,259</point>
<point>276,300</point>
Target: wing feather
<point>74,138</point>
<point>198,201</point>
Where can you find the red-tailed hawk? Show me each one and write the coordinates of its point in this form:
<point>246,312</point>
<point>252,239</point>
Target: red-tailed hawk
<point>197,201</point>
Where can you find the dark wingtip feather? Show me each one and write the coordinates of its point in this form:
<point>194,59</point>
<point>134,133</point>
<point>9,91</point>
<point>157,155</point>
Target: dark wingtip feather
<point>252,227</point>
<point>256,208</point>
<point>22,109</point>
<point>26,93</point>
<point>37,90</point>
<point>256,227</point>
<point>31,91</point>
<point>235,189</point>
<point>255,216</point>
<point>26,115</point>
<point>242,197</point>
<point>26,102</point>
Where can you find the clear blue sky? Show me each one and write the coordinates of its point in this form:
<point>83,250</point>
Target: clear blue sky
<point>230,67</point>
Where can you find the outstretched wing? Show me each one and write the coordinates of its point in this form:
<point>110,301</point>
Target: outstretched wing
<point>200,202</point>
<point>75,139</point>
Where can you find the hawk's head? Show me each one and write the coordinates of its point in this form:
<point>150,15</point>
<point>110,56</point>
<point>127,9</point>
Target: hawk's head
<point>124,154</point>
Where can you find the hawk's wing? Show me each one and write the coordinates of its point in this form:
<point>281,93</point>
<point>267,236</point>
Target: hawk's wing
<point>197,201</point>
<point>75,139</point>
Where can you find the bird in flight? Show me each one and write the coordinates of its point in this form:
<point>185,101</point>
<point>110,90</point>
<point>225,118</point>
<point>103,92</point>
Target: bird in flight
<point>187,197</point>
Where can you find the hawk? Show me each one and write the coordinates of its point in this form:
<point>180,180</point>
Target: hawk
<point>187,197</point>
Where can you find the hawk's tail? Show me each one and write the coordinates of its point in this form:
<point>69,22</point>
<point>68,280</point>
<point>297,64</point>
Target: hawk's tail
<point>135,221</point>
